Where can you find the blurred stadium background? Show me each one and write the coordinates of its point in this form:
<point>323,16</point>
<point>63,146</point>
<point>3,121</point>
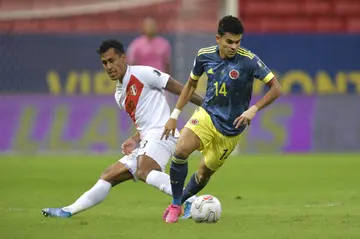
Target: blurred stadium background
<point>56,98</point>
<point>60,126</point>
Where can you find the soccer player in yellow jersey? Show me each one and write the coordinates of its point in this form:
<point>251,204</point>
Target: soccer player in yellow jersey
<point>215,127</point>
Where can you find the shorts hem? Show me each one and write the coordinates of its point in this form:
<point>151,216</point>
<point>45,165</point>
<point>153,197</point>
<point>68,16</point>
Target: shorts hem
<point>206,164</point>
<point>131,171</point>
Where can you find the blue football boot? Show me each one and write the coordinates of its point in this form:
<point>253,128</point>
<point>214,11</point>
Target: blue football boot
<point>55,212</point>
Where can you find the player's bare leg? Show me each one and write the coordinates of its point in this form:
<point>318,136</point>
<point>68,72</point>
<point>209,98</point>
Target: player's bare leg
<point>116,173</point>
<point>149,171</point>
<point>187,143</point>
<point>113,175</point>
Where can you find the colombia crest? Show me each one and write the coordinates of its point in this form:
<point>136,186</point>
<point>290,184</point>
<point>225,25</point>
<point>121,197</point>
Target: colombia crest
<point>234,74</point>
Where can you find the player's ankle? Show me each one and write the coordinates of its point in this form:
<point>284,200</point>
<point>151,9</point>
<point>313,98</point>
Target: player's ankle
<point>176,201</point>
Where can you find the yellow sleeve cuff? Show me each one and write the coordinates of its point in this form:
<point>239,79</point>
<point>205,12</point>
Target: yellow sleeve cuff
<point>194,77</point>
<point>268,77</point>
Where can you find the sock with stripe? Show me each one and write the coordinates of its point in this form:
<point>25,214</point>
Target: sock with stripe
<point>178,173</point>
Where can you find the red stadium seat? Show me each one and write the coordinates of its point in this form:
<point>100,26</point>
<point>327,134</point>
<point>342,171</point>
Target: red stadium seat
<point>269,8</point>
<point>258,15</point>
<point>353,24</point>
<point>329,24</point>
<point>301,15</point>
<point>26,26</point>
<point>347,7</point>
<point>55,24</point>
<point>286,25</point>
<point>317,7</point>
<point>14,5</point>
<point>252,24</point>
<point>5,26</point>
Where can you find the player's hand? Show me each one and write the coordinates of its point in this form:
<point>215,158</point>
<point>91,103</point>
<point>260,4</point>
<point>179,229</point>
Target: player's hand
<point>170,127</point>
<point>128,146</point>
<point>246,117</point>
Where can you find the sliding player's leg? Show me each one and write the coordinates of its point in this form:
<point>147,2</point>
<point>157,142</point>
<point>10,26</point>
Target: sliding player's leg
<point>119,172</point>
<point>154,154</point>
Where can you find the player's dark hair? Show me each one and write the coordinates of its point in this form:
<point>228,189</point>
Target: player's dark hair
<point>230,24</point>
<point>111,43</point>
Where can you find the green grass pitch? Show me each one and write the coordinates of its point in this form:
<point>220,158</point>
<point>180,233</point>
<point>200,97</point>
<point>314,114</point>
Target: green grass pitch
<point>263,196</point>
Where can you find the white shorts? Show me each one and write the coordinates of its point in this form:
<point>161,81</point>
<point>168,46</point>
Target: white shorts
<point>151,145</point>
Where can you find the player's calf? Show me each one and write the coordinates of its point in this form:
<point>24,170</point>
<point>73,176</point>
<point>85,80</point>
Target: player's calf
<point>112,176</point>
<point>196,184</point>
<point>178,173</point>
<point>204,173</point>
<point>197,181</point>
<point>187,143</point>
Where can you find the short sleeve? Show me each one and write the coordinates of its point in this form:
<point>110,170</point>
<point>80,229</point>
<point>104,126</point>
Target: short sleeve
<point>260,70</point>
<point>154,77</point>
<point>198,68</point>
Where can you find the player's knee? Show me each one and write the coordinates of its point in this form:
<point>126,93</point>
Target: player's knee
<point>110,177</point>
<point>145,165</point>
<point>142,173</point>
<point>116,174</point>
<point>182,150</point>
<point>107,175</point>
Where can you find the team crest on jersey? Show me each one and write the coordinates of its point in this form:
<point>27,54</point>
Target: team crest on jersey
<point>194,121</point>
<point>234,74</point>
<point>133,90</point>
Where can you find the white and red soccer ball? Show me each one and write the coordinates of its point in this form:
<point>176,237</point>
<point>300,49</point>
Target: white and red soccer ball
<point>206,208</point>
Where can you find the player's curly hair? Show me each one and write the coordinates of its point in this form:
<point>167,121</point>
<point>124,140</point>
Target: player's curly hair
<point>230,24</point>
<point>111,43</point>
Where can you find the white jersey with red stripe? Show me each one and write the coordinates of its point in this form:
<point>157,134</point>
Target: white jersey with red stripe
<point>142,96</point>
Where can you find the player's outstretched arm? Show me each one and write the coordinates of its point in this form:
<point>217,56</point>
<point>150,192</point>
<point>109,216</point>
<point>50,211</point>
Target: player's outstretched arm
<point>176,88</point>
<point>273,93</point>
<point>184,98</point>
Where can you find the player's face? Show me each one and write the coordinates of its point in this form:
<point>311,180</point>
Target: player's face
<point>228,44</point>
<point>114,64</point>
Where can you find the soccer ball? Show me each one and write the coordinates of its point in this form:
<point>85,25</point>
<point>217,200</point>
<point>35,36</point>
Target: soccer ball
<point>206,208</point>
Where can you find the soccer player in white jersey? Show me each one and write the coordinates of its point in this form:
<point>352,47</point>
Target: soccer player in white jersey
<point>140,92</point>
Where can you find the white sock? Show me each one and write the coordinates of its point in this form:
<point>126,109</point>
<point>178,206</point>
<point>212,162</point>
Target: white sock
<point>160,180</point>
<point>95,195</point>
